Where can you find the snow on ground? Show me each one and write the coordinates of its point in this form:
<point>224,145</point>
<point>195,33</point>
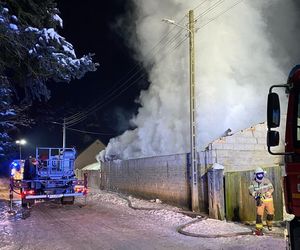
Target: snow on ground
<point>212,227</point>
<point>106,214</point>
<point>98,197</point>
<point>155,209</point>
<point>161,211</point>
<point>170,215</point>
<point>4,185</point>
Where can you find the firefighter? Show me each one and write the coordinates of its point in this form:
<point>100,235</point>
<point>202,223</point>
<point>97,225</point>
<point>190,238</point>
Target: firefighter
<point>261,190</point>
<point>30,168</point>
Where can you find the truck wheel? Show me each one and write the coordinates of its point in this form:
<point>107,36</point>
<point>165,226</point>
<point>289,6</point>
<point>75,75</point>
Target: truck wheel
<point>67,200</point>
<point>26,203</point>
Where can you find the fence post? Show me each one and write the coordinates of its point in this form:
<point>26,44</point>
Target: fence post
<point>216,194</point>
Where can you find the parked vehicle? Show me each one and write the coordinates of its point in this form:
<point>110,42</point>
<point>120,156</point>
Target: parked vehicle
<point>292,148</point>
<point>49,175</point>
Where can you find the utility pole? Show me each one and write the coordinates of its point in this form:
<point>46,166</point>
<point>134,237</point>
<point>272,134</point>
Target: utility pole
<point>194,165</point>
<point>195,192</point>
<point>20,151</point>
<point>64,133</point>
<point>20,143</point>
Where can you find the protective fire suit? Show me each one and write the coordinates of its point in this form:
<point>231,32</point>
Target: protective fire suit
<point>262,190</point>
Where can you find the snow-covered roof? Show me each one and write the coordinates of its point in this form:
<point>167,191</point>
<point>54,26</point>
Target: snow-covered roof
<point>93,166</point>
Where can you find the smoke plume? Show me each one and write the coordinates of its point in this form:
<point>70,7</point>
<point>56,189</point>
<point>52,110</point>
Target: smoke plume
<point>240,49</point>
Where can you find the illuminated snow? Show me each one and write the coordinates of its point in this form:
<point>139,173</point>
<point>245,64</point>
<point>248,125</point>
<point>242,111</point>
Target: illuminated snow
<point>58,19</point>
<point>13,26</point>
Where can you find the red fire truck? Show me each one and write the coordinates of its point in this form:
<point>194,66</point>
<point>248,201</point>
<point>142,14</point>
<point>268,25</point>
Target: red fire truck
<point>291,153</point>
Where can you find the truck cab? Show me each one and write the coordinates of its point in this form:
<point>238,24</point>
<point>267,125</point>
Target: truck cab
<point>291,182</point>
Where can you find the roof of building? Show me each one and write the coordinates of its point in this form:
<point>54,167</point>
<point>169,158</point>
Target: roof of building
<point>93,166</point>
<point>88,156</point>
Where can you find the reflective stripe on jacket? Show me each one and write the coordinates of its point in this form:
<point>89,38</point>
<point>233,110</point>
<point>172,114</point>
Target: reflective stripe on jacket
<point>261,188</point>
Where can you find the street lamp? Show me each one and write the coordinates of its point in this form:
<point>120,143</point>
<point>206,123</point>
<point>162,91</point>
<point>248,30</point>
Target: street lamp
<point>191,30</point>
<point>170,21</point>
<point>20,143</point>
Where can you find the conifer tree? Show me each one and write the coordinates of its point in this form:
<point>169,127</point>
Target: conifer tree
<point>33,54</point>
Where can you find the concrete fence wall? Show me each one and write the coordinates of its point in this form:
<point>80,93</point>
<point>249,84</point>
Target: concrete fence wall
<point>164,177</point>
<point>168,177</point>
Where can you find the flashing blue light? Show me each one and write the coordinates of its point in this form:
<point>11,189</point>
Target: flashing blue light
<point>15,165</point>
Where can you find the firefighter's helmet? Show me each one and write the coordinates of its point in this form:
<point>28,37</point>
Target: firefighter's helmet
<point>259,174</point>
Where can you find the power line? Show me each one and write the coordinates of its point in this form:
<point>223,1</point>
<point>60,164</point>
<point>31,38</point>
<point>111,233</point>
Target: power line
<point>83,131</point>
<point>72,120</point>
<point>80,116</point>
<point>221,13</point>
<point>210,9</point>
<point>200,4</point>
<point>138,65</point>
<point>88,132</point>
<point>100,105</point>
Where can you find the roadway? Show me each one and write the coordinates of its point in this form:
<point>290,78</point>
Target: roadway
<point>106,222</point>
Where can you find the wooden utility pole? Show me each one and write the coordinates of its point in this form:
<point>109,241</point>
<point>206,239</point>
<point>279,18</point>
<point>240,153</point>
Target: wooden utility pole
<point>195,192</point>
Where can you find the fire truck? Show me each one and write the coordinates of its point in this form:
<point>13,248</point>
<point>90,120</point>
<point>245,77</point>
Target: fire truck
<point>291,180</point>
<point>47,176</point>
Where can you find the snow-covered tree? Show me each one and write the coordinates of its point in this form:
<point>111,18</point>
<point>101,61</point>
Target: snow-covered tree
<point>7,114</point>
<point>10,115</point>
<point>37,54</point>
<point>32,54</point>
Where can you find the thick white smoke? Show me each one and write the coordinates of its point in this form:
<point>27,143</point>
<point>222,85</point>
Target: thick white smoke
<point>235,65</point>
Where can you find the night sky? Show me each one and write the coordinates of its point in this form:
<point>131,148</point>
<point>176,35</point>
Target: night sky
<point>89,26</point>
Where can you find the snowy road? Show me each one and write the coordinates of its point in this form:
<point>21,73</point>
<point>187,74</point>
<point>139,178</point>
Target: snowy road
<point>106,222</point>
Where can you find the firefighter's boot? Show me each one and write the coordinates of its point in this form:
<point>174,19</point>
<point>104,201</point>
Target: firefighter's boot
<point>270,221</point>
